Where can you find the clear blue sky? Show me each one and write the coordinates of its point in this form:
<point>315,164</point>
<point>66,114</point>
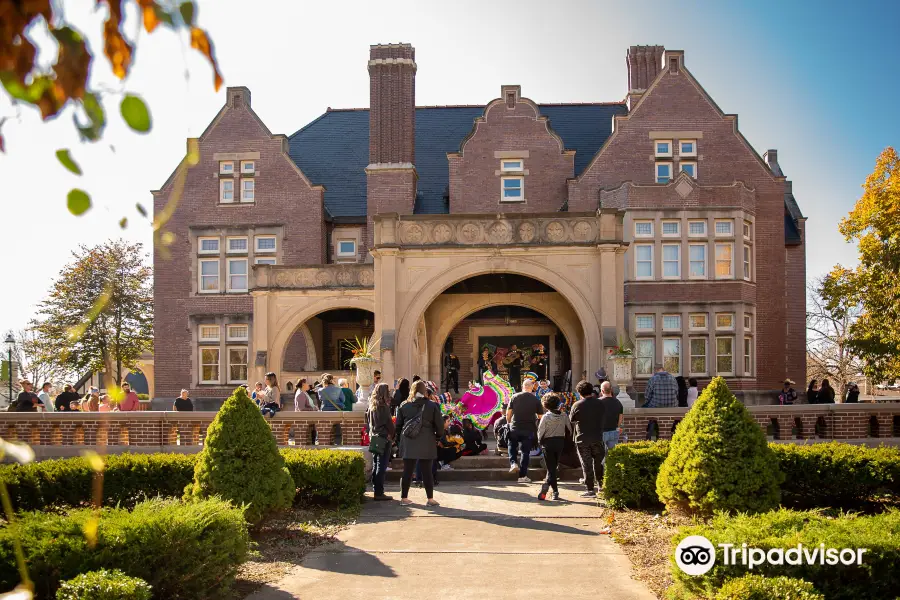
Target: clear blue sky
<point>816,80</point>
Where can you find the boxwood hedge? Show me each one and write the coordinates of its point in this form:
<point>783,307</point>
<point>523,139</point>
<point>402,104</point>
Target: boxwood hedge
<point>104,585</point>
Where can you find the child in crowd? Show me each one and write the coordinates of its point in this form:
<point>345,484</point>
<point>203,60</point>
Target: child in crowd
<point>552,438</point>
<point>543,388</point>
<point>450,446</point>
<point>472,438</point>
<point>257,392</point>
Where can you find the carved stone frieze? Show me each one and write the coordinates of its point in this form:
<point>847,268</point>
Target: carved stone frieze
<point>321,276</point>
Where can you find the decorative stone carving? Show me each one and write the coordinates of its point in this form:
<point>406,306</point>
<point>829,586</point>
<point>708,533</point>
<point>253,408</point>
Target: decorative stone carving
<point>345,278</point>
<point>556,231</point>
<point>366,278</point>
<point>499,233</point>
<point>683,188</point>
<point>282,279</point>
<point>413,233</point>
<point>526,232</point>
<point>442,233</point>
<point>470,233</point>
<point>582,231</point>
<point>323,276</point>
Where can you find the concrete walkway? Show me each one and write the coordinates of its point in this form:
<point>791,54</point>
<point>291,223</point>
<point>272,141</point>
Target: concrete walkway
<point>489,540</point>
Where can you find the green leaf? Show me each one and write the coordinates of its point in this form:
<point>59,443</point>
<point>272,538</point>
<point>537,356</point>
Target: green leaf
<point>163,16</point>
<point>67,161</point>
<point>135,113</point>
<point>79,202</point>
<point>123,222</point>
<point>141,209</point>
<point>187,12</point>
<point>96,117</point>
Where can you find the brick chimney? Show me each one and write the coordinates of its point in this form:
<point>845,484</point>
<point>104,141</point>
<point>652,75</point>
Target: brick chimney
<point>391,174</point>
<point>644,64</point>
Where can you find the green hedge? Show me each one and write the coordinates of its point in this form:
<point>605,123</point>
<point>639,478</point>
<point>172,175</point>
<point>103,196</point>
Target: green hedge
<point>756,587</point>
<point>104,585</point>
<point>183,550</point>
<point>877,576</point>
<point>822,475</point>
<point>327,476</point>
<point>630,474</point>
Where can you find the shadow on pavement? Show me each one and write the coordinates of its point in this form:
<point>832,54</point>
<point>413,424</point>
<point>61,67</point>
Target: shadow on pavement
<point>338,557</point>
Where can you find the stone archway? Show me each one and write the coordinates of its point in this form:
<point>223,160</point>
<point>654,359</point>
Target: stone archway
<point>591,352</point>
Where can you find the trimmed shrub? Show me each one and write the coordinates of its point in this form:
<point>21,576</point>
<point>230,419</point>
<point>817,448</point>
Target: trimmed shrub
<point>629,478</point>
<point>327,476</point>
<point>877,576</point>
<point>719,459</point>
<point>127,479</point>
<point>240,461</point>
<point>836,475</point>
<point>104,585</point>
<point>757,587</point>
<point>182,550</point>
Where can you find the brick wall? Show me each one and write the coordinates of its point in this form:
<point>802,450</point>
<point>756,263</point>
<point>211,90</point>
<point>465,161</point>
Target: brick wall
<point>795,309</point>
<point>281,192</point>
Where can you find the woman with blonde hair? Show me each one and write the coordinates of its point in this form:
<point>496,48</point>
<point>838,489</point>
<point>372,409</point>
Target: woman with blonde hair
<point>421,424</point>
<point>271,401</point>
<point>347,394</point>
<point>381,432</point>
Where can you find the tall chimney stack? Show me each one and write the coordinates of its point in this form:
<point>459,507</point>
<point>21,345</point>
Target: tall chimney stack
<point>644,64</point>
<point>391,174</point>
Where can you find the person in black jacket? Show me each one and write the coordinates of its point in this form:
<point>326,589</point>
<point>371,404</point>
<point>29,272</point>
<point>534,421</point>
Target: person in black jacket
<point>682,391</point>
<point>826,393</point>
<point>587,416</point>
<point>422,447</point>
<point>451,367</point>
<point>486,363</point>
<point>400,394</point>
<point>812,393</point>
<point>27,400</point>
<point>63,402</point>
<point>472,438</point>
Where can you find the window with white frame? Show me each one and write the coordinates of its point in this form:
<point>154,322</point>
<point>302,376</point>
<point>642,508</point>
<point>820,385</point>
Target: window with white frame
<point>238,333</point>
<point>237,274</point>
<point>209,333</point>
<point>644,323</point>
<point>724,261</point>
<point>237,245</point>
<point>248,190</point>
<point>209,365</point>
<point>725,321</point>
<point>643,356</point>
<point>209,275</point>
<point>663,172</point>
<point>672,355</point>
<point>748,322</point>
<point>689,167</point>
<point>663,147</point>
<point>226,167</point>
<point>671,261</point>
<point>724,227</point>
<point>643,229</point>
<point>671,322</point>
<point>248,167</point>
<point>697,258</point>
<point>346,248</point>
<point>208,245</point>
<point>747,263</point>
<point>748,355</point>
<point>265,243</point>
<point>747,230</point>
<point>514,165</point>
<point>643,261</point>
<point>266,260</point>
<point>687,147</point>
<point>724,355</point>
<point>226,190</point>
<point>671,228</point>
<point>698,356</point>
<point>697,228</point>
<point>697,321</point>
<point>512,189</point>
<point>237,364</point>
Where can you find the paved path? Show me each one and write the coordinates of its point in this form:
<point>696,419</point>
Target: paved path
<point>488,540</point>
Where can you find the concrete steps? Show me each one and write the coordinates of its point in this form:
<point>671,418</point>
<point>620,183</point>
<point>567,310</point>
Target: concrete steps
<point>486,467</point>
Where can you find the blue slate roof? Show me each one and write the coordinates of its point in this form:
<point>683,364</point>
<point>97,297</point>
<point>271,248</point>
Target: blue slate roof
<point>333,150</point>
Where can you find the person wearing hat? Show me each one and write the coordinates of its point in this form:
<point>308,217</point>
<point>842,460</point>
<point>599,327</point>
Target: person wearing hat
<point>788,394</point>
<point>27,400</point>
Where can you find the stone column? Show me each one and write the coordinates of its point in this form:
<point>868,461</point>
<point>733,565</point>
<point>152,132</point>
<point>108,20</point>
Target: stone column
<point>386,325</point>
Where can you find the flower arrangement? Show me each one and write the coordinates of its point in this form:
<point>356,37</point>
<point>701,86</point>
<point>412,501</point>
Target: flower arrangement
<point>361,349</point>
<point>624,348</point>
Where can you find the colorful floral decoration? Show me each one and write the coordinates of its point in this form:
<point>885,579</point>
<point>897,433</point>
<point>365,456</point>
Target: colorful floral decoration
<point>482,404</point>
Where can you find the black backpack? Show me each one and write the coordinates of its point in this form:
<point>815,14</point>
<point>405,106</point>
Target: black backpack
<point>413,427</point>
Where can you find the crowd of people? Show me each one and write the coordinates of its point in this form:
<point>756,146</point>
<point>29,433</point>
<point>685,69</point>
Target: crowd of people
<point>70,401</point>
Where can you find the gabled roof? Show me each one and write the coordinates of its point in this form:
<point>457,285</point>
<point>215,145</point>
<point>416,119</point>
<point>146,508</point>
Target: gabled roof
<point>333,150</point>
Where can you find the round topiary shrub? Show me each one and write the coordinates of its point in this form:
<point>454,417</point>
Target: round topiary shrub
<point>757,587</point>
<point>240,461</point>
<point>719,459</point>
<point>104,585</point>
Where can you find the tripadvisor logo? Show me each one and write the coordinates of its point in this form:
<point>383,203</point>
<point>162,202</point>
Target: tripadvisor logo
<point>695,555</point>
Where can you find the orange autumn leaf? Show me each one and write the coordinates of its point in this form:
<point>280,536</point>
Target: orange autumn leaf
<point>117,48</point>
<point>148,8</point>
<point>200,41</point>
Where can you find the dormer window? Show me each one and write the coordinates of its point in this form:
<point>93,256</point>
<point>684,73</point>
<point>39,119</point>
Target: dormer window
<point>226,167</point>
<point>687,147</point>
<point>512,165</point>
<point>663,148</point>
<point>248,167</point>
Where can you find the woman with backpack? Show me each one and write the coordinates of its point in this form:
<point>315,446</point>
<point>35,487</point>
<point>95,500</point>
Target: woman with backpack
<point>381,432</point>
<point>419,425</point>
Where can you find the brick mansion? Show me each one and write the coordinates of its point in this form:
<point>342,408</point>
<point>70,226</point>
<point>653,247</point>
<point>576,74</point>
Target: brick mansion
<point>449,229</point>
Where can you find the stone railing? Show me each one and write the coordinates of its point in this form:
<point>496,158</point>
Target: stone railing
<point>337,276</point>
<point>509,229</point>
<point>67,434</point>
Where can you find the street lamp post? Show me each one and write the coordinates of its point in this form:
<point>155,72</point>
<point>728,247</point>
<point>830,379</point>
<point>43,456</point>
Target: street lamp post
<point>10,344</point>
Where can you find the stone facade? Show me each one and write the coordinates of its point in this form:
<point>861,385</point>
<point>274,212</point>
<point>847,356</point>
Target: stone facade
<point>669,216</point>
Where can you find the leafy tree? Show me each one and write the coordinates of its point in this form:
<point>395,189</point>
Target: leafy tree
<point>99,314</point>
<point>832,312</point>
<point>37,359</point>
<point>874,223</point>
<point>240,461</point>
<point>50,87</point>
<point>719,459</point>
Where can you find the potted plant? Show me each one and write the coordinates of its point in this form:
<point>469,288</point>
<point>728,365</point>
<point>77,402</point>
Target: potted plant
<point>622,355</point>
<point>362,358</point>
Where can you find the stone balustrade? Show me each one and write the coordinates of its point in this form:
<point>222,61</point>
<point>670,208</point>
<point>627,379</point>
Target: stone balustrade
<point>335,276</point>
<point>67,434</point>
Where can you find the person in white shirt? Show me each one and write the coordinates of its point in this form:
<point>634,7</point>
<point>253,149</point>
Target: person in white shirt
<point>45,399</point>
<point>693,392</point>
